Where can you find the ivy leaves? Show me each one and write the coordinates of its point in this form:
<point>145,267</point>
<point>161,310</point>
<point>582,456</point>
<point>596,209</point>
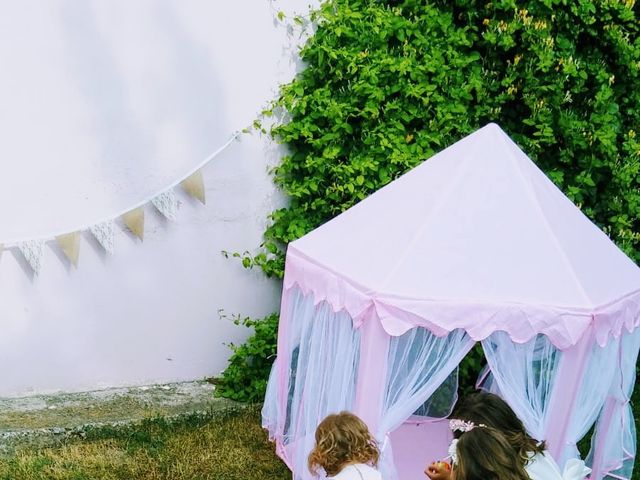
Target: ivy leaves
<point>388,84</point>
<point>245,378</point>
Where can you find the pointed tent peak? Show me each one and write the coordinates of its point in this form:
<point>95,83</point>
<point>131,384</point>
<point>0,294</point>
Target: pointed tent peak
<point>477,221</point>
<point>488,137</point>
<point>480,145</point>
<point>489,143</point>
<point>493,127</point>
<point>490,130</point>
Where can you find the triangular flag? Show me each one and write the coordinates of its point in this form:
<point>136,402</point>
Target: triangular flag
<point>70,245</point>
<point>167,204</point>
<point>104,233</point>
<point>32,251</point>
<point>134,220</point>
<point>194,186</point>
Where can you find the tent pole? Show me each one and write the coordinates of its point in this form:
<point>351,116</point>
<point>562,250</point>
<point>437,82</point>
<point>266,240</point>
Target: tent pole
<point>614,407</point>
<point>603,430</point>
<point>565,392</point>
<point>372,370</point>
<point>607,417</point>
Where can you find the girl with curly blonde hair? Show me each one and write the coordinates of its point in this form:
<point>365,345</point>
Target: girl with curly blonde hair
<point>345,449</point>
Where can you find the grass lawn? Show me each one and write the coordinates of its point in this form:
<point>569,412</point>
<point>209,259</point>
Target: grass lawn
<point>228,445</point>
<point>224,446</point>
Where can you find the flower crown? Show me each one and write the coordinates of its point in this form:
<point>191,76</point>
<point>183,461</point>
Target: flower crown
<point>457,425</point>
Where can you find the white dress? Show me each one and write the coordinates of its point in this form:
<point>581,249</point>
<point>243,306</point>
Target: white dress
<point>542,466</point>
<point>358,471</point>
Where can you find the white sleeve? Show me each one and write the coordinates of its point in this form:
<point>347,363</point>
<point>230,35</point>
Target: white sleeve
<point>542,467</point>
<point>575,470</point>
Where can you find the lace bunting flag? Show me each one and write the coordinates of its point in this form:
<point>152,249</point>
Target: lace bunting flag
<point>32,250</point>
<point>104,233</point>
<point>167,204</point>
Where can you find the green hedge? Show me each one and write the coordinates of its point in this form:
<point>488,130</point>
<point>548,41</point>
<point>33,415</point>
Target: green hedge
<point>245,378</point>
<point>389,83</point>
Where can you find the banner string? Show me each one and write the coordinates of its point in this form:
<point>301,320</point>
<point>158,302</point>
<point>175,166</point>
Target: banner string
<point>16,243</point>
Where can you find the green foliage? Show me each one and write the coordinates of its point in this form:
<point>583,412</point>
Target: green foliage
<point>245,378</point>
<point>389,83</point>
<point>469,370</point>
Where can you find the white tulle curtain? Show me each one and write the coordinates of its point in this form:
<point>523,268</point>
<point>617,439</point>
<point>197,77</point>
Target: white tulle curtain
<point>440,404</point>
<point>318,361</point>
<point>522,374</point>
<point>613,445</point>
<point>270,410</point>
<point>323,353</point>
<point>602,363</point>
<point>525,376</point>
<point>419,363</point>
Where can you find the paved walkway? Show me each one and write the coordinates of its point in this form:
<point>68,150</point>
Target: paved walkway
<point>46,419</point>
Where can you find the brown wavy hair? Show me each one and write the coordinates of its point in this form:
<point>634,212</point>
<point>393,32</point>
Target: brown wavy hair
<point>342,439</point>
<point>490,410</point>
<point>485,454</point>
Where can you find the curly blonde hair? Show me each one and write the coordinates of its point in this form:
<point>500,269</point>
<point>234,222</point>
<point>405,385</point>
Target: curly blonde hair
<point>342,439</point>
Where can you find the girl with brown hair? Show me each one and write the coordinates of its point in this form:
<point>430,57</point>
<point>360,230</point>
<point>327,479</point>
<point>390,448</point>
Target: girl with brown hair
<point>345,449</point>
<point>485,454</point>
<point>491,411</point>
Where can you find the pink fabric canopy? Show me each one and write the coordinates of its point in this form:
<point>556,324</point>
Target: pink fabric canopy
<point>476,238</point>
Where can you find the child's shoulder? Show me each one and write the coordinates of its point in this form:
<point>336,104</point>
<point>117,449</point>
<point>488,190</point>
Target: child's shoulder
<point>358,471</point>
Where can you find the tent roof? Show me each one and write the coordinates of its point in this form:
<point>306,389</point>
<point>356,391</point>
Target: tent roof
<point>477,228</point>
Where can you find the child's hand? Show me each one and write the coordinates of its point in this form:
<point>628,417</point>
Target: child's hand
<point>438,471</point>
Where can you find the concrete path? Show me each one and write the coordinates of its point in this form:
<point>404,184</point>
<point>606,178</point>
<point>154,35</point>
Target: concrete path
<point>47,419</point>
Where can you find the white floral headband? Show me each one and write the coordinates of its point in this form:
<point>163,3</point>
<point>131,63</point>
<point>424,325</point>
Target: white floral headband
<point>457,425</point>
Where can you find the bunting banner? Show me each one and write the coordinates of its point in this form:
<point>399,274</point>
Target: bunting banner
<point>194,186</point>
<point>104,233</point>
<point>69,243</point>
<point>134,220</point>
<point>32,250</point>
<point>166,202</point>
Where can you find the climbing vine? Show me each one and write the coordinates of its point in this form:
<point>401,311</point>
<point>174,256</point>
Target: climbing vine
<point>389,83</point>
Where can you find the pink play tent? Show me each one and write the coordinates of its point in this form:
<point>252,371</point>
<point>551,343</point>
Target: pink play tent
<point>476,244</point>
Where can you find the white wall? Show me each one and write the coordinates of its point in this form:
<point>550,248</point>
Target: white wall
<point>106,104</point>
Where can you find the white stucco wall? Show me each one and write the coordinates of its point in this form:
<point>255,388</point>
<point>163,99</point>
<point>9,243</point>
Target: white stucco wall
<point>106,104</point>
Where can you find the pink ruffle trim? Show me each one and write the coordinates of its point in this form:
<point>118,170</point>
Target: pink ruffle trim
<point>563,326</point>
